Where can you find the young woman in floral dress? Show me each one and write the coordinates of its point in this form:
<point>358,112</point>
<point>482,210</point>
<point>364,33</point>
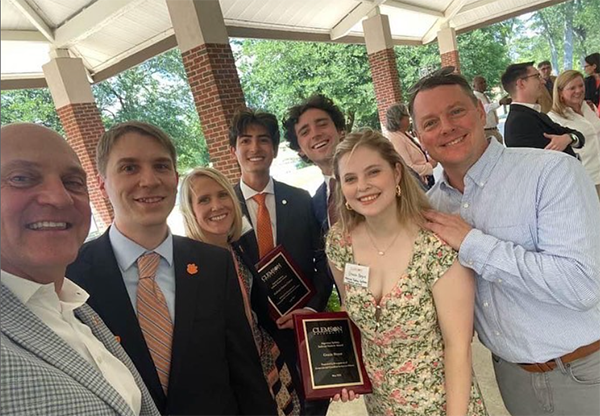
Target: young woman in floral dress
<point>414,304</point>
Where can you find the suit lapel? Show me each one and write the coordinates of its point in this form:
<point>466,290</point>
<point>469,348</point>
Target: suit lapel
<point>30,333</point>
<point>282,204</point>
<point>111,300</point>
<point>248,242</point>
<point>187,275</point>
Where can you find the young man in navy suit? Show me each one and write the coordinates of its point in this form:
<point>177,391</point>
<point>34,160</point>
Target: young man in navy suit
<point>187,332</point>
<point>254,140</point>
<point>314,128</point>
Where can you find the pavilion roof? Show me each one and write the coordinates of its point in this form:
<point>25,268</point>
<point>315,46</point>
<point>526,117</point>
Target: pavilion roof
<point>113,35</point>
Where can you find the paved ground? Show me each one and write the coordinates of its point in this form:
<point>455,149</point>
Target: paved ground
<point>485,376</point>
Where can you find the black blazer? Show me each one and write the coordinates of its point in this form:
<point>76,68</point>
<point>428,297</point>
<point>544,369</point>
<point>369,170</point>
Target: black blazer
<point>299,233</point>
<point>319,204</point>
<point>525,127</point>
<point>592,93</point>
<point>215,368</point>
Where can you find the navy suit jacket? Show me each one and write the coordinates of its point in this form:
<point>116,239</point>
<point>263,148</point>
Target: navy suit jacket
<point>215,368</point>
<point>525,127</point>
<point>319,204</point>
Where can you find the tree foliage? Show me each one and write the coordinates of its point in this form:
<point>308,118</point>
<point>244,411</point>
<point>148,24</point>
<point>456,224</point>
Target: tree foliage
<point>157,92</point>
<point>30,106</point>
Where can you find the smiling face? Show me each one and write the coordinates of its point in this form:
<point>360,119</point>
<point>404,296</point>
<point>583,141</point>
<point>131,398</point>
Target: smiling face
<point>450,126</point>
<point>573,94</point>
<point>213,209</point>
<point>141,183</point>
<point>368,182</point>
<point>317,137</point>
<point>254,150</point>
<point>45,214</point>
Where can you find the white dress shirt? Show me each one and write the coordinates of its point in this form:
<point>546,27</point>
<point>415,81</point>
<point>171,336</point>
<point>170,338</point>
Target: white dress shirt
<point>587,124</point>
<point>491,118</point>
<point>252,205</point>
<point>56,311</point>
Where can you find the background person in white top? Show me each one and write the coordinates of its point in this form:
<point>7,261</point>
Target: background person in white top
<point>569,110</point>
<point>490,107</point>
<point>57,356</point>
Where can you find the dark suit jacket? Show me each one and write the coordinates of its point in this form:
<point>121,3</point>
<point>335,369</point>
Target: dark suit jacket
<point>525,127</point>
<point>299,233</point>
<point>319,204</point>
<point>592,93</point>
<point>215,369</point>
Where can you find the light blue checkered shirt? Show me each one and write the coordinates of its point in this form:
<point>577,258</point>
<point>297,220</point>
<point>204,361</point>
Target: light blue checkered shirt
<point>535,248</point>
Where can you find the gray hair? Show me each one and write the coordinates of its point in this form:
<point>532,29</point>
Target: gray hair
<point>394,115</point>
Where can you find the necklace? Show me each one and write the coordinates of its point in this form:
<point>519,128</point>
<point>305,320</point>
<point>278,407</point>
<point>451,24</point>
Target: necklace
<point>380,251</point>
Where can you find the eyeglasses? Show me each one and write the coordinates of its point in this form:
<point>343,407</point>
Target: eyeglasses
<point>442,72</point>
<point>538,76</point>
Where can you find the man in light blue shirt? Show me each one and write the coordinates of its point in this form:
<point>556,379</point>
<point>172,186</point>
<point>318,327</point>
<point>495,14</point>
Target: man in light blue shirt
<point>527,222</point>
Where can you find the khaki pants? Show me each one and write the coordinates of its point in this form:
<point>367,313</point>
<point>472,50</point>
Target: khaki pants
<point>570,389</point>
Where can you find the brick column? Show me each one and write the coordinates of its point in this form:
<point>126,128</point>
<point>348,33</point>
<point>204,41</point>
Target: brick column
<point>217,94</point>
<point>382,61</point>
<point>83,128</point>
<point>67,80</point>
<point>449,48</point>
<point>208,60</point>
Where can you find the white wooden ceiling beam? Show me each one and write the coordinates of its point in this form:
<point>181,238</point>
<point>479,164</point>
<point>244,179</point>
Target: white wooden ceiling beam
<point>409,7</point>
<point>476,5</point>
<point>452,10</point>
<point>34,17</point>
<point>22,36</point>
<point>91,20</point>
<point>362,10</point>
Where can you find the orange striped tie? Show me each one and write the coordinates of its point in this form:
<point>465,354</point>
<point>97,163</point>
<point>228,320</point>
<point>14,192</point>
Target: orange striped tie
<point>154,318</point>
<point>264,231</point>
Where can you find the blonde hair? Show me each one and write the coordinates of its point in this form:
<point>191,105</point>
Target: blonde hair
<point>412,201</point>
<point>192,229</point>
<point>559,85</point>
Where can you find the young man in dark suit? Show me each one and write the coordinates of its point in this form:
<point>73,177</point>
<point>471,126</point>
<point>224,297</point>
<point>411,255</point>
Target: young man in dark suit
<point>280,214</point>
<point>526,125</point>
<point>314,128</point>
<point>174,303</point>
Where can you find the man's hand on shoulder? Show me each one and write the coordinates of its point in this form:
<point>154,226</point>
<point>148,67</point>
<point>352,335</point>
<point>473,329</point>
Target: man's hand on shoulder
<point>558,142</point>
<point>450,228</point>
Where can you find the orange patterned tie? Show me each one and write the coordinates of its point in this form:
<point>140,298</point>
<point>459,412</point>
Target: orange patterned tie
<point>264,232</point>
<point>154,318</point>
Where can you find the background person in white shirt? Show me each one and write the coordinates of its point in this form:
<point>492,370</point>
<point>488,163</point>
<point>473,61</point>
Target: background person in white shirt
<point>569,110</point>
<point>490,107</point>
<point>57,356</point>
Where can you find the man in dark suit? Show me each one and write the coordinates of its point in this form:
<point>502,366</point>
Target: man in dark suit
<point>314,128</point>
<point>525,125</point>
<point>280,215</point>
<point>174,303</point>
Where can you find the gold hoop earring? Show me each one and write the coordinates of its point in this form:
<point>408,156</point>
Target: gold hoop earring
<point>348,207</point>
<point>398,191</point>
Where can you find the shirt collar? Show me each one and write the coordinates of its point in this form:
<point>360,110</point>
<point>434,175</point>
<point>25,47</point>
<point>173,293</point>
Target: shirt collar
<point>482,169</point>
<point>127,251</point>
<point>535,107</point>
<point>249,192</point>
<point>71,295</point>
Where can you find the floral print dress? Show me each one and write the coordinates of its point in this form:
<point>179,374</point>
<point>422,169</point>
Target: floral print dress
<point>402,342</point>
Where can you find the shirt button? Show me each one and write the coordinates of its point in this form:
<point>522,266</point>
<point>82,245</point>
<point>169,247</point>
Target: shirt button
<point>499,280</point>
<point>497,333</point>
<point>470,262</point>
<point>485,304</point>
<point>466,205</point>
<point>481,184</point>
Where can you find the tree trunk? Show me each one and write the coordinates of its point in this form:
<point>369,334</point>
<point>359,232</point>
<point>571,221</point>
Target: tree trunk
<point>568,44</point>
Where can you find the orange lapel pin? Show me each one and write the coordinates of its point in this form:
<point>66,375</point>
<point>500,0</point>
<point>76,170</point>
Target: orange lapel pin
<point>192,268</point>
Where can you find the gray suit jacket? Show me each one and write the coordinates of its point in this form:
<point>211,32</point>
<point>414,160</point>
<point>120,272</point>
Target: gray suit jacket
<point>42,375</point>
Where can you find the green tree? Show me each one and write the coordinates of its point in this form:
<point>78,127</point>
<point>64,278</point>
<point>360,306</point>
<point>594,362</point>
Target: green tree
<point>31,105</point>
<point>157,92</point>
